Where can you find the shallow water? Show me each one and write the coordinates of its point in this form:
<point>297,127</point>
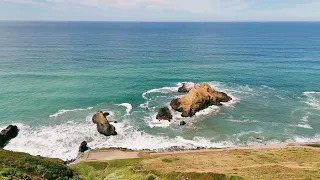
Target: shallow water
<point>54,76</point>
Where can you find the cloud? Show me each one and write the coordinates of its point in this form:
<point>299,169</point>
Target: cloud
<point>182,10</point>
<point>33,2</point>
<point>191,6</point>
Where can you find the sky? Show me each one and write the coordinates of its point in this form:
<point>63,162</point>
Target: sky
<point>160,10</point>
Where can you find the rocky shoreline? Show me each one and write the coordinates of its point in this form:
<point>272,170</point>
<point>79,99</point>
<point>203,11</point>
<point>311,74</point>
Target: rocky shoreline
<point>197,97</point>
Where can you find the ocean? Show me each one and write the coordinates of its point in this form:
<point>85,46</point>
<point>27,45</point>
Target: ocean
<point>55,75</point>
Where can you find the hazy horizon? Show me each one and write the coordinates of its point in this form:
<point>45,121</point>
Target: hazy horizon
<point>160,10</point>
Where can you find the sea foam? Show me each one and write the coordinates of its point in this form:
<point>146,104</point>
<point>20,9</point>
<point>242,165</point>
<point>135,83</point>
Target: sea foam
<point>313,99</point>
<point>163,90</point>
<point>63,111</point>
<point>63,140</point>
<point>128,107</point>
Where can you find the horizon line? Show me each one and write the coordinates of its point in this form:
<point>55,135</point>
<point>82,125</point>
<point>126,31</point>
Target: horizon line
<point>120,21</point>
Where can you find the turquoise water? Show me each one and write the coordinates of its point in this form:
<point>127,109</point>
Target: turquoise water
<point>55,75</point>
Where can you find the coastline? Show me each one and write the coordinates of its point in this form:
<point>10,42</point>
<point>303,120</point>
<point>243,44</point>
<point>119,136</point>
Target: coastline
<point>106,154</point>
<point>290,161</point>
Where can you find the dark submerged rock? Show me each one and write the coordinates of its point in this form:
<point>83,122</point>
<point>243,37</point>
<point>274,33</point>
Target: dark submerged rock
<point>186,87</point>
<point>105,114</point>
<point>182,123</point>
<point>164,114</point>
<point>7,134</point>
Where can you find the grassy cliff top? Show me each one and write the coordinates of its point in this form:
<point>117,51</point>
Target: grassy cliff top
<point>16,165</point>
<point>226,164</point>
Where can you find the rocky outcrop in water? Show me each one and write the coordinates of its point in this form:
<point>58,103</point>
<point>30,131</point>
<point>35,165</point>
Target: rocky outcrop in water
<point>7,134</point>
<point>182,123</point>
<point>199,98</point>
<point>164,114</point>
<point>186,87</point>
<point>103,125</point>
<point>83,146</point>
<point>105,114</point>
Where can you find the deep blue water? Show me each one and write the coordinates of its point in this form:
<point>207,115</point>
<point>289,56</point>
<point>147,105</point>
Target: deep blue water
<point>55,75</point>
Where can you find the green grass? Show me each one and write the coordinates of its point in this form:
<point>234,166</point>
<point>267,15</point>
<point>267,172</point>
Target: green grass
<point>131,169</point>
<point>15,165</point>
<point>167,160</point>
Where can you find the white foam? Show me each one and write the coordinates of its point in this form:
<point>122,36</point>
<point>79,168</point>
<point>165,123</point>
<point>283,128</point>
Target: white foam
<point>235,100</point>
<point>152,121</point>
<point>306,126</point>
<point>128,106</point>
<point>208,110</point>
<point>305,122</point>
<point>243,121</point>
<point>280,97</point>
<point>160,90</point>
<point>231,103</point>
<point>63,111</point>
<point>313,99</point>
<point>189,85</point>
<point>63,140</point>
<point>268,87</point>
<point>302,139</point>
<point>163,90</point>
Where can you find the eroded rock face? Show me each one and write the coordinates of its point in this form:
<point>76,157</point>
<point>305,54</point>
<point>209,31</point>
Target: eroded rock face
<point>83,147</point>
<point>186,87</point>
<point>164,114</point>
<point>7,134</point>
<point>103,125</point>
<point>198,98</point>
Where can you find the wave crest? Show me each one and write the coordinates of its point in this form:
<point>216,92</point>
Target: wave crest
<point>63,111</point>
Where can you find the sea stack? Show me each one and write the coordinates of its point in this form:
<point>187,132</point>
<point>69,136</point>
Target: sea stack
<point>164,114</point>
<point>7,134</point>
<point>103,125</point>
<point>199,98</point>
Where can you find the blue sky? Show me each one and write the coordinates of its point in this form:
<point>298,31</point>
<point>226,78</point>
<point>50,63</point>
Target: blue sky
<point>161,10</point>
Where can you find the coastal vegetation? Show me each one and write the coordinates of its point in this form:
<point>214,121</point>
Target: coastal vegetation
<point>219,164</point>
<point>16,165</point>
<point>134,169</point>
<point>208,164</point>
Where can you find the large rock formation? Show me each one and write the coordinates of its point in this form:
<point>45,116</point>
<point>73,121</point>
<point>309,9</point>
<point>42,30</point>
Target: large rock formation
<point>186,87</point>
<point>198,98</point>
<point>164,114</point>
<point>103,125</point>
<point>7,134</point>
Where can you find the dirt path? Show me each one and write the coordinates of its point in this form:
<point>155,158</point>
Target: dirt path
<point>113,154</point>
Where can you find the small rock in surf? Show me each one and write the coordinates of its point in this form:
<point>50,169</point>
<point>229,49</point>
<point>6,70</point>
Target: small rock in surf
<point>186,87</point>
<point>83,146</point>
<point>182,123</point>
<point>103,125</point>
<point>164,114</point>
<point>7,134</point>
<point>105,114</point>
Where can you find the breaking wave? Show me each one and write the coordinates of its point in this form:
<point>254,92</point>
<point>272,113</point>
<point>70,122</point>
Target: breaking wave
<point>63,111</point>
